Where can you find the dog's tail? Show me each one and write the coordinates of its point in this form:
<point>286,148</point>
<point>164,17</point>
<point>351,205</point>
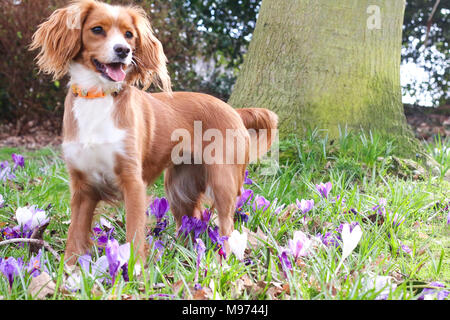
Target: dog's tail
<point>262,126</point>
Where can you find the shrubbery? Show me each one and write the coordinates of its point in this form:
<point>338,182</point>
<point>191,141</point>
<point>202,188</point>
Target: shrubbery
<point>199,59</point>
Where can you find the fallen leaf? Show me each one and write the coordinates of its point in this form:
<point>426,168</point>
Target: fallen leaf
<point>300,263</point>
<point>375,218</point>
<point>248,283</point>
<point>41,286</point>
<point>286,288</point>
<point>273,293</point>
<point>422,250</point>
<point>202,294</point>
<point>276,289</point>
<point>238,288</point>
<point>422,235</point>
<point>255,240</point>
<point>259,287</point>
<point>177,286</point>
<point>288,213</point>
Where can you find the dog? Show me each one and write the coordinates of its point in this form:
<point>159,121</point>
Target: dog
<point>118,138</point>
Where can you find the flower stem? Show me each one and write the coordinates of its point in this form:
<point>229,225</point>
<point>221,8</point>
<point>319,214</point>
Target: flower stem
<point>36,241</point>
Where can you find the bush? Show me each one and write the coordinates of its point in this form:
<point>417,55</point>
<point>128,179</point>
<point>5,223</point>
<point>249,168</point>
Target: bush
<point>199,59</point>
<point>26,97</point>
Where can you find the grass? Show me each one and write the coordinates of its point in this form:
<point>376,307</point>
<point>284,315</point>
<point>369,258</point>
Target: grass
<point>360,169</point>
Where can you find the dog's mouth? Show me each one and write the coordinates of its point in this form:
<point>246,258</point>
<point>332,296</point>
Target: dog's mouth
<point>111,71</point>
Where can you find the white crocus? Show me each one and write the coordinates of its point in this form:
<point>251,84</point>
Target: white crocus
<point>23,215</point>
<point>350,239</point>
<point>31,218</point>
<point>238,243</point>
<point>382,284</point>
<point>106,223</point>
<point>38,218</point>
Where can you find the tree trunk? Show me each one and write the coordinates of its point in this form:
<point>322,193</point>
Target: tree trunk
<point>327,64</point>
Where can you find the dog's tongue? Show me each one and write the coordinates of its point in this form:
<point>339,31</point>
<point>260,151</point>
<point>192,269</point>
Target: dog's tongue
<point>115,71</point>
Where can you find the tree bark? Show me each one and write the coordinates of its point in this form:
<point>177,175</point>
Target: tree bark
<point>327,64</point>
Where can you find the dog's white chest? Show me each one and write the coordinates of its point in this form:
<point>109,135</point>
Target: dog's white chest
<point>94,150</point>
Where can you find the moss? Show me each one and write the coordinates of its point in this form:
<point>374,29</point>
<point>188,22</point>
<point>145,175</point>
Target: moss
<point>335,74</point>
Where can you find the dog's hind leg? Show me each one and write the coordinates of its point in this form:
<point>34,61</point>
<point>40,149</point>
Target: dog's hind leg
<point>225,181</point>
<point>185,185</point>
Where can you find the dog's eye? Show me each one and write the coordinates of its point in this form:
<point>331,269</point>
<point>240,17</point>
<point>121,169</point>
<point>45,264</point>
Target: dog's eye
<point>97,30</point>
<point>128,35</point>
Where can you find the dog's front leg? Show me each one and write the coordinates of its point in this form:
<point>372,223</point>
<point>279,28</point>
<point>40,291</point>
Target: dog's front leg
<point>135,198</point>
<point>83,202</point>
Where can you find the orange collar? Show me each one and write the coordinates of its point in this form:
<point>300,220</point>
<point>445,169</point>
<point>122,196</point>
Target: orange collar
<point>91,94</point>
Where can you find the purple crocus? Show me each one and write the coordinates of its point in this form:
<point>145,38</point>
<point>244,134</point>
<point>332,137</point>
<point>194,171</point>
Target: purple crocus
<point>299,245</point>
<point>6,172</point>
<point>406,249</point>
<point>2,201</point>
<point>242,216</point>
<point>159,208</point>
<point>101,237</point>
<point>277,209</point>
<point>286,264</point>
<point>333,238</point>
<point>199,227</point>
<point>186,226</point>
<point>189,224</point>
<point>261,203</point>
<point>431,293</point>
<point>96,270</point>
<point>117,255</point>
<point>19,161</point>
<point>206,215</point>
<point>352,225</point>
<point>160,227</point>
<point>217,240</point>
<point>447,209</point>
<point>4,164</point>
<point>11,267</point>
<point>34,266</point>
<point>397,220</point>
<point>158,245</point>
<point>338,199</point>
<point>305,205</point>
<point>244,198</point>
<point>380,208</point>
<point>330,238</point>
<point>247,180</point>
<point>15,232</point>
<point>324,189</point>
<point>200,248</point>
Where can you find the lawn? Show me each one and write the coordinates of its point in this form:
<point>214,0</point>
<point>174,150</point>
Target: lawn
<point>377,228</point>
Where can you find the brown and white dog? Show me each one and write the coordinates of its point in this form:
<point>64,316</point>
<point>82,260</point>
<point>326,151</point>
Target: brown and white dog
<point>117,139</point>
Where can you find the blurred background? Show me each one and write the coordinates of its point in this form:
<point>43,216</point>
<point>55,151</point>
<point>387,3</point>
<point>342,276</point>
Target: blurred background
<point>205,42</point>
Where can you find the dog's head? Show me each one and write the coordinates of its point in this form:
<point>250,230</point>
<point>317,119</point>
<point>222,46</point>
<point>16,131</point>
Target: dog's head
<point>115,42</point>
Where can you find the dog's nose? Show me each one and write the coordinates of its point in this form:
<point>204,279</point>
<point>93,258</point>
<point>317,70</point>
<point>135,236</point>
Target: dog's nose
<point>121,50</point>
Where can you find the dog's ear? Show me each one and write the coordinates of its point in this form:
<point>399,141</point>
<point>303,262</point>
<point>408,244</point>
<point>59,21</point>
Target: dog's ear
<point>59,38</point>
<point>149,58</point>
